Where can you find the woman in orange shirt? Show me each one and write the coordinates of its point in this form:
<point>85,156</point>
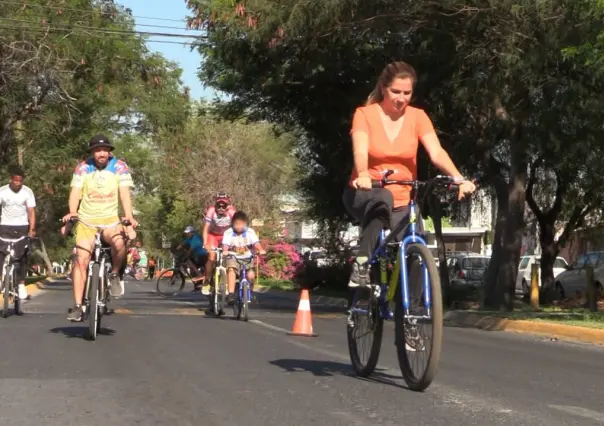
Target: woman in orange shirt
<point>385,135</point>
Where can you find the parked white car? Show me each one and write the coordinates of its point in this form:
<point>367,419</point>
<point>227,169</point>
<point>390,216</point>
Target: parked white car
<point>523,279</point>
<point>574,279</point>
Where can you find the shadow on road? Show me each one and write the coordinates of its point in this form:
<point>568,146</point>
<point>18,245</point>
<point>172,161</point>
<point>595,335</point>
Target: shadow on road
<point>80,332</point>
<point>331,368</point>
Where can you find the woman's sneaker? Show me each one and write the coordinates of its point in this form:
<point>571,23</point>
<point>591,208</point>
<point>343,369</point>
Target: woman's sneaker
<point>360,272</point>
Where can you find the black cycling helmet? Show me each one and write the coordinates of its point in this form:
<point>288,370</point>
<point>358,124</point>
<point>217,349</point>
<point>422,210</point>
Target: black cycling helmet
<point>100,141</point>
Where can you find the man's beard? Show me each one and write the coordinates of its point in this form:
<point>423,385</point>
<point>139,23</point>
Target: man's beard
<point>14,188</point>
<point>101,166</point>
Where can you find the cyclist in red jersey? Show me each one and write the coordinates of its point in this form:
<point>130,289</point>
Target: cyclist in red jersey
<point>217,220</point>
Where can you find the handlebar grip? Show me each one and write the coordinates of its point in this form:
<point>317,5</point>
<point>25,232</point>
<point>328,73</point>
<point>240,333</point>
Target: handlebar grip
<point>377,184</point>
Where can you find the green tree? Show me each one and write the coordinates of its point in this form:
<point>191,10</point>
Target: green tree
<point>495,78</point>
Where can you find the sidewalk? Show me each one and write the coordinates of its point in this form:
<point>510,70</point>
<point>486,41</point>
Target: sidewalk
<point>494,322</point>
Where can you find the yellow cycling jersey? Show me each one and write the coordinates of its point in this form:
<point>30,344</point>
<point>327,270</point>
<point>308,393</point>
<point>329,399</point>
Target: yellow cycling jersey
<point>100,188</point>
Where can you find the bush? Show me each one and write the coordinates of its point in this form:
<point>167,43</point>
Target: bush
<point>280,262</point>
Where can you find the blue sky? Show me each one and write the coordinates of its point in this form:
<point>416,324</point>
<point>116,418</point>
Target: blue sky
<point>170,13</point>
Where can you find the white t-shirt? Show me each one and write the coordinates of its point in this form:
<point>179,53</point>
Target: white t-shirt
<point>240,244</point>
<point>14,205</point>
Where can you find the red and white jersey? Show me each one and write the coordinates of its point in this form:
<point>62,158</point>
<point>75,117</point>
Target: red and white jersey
<point>219,224</point>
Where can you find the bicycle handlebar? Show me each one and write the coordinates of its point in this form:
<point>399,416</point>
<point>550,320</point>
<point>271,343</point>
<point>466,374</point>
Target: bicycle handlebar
<point>449,181</point>
<point>75,219</point>
<point>10,240</point>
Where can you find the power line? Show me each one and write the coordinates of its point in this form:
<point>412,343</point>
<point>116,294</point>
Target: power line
<point>138,25</point>
<point>91,36</point>
<point>40,6</point>
<point>102,30</point>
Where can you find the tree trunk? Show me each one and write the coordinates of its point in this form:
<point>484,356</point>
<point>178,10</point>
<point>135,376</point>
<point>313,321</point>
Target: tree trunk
<point>514,224</point>
<point>44,255</point>
<point>549,252</point>
<point>490,286</point>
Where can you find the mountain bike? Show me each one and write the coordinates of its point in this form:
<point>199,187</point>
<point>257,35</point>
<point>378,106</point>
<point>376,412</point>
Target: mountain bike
<point>96,290</point>
<point>409,267</point>
<point>243,291</point>
<point>9,283</point>
<point>218,285</point>
<point>174,278</point>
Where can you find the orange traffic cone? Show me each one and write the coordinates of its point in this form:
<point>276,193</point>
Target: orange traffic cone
<point>303,322</point>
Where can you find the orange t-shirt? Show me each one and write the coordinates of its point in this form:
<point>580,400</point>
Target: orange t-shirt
<point>400,154</point>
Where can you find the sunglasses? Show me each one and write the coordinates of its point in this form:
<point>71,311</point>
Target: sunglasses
<point>221,206</point>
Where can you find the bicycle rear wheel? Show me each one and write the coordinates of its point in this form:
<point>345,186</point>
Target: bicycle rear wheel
<point>93,296</point>
<point>409,338</point>
<point>365,321</point>
<point>170,283</point>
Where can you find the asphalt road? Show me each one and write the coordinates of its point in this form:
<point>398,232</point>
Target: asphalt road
<point>163,362</point>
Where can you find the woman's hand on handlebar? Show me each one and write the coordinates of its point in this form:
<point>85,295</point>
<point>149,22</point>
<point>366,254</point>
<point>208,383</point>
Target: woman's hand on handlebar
<point>362,182</point>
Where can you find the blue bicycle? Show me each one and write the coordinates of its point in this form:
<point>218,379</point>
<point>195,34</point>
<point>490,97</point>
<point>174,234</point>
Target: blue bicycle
<point>243,291</point>
<point>410,263</point>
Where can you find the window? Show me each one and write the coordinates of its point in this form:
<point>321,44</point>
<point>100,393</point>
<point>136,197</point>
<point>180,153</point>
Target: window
<point>524,262</point>
<point>475,263</point>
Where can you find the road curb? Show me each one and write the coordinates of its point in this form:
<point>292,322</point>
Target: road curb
<point>493,323</point>
<point>295,295</point>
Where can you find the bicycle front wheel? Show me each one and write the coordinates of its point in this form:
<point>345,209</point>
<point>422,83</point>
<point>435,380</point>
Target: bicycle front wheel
<point>238,301</point>
<point>170,283</point>
<point>365,328</point>
<point>425,306</point>
<point>219,293</point>
<point>16,299</point>
<point>6,290</point>
<point>93,297</point>
<point>245,301</point>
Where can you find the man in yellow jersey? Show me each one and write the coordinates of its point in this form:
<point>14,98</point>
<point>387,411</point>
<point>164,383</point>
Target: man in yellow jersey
<point>96,185</point>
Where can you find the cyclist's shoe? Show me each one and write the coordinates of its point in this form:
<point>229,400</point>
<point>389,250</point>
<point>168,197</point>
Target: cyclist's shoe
<point>360,272</point>
<point>116,286</point>
<point>75,313</point>
<point>206,290</point>
<point>22,292</point>
<point>209,311</point>
<point>230,299</point>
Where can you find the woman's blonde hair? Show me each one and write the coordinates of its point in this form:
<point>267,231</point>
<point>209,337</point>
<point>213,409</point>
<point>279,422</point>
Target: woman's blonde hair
<point>391,72</point>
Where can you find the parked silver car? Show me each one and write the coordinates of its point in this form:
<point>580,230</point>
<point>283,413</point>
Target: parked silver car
<point>574,279</point>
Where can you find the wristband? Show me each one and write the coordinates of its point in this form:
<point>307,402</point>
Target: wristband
<point>460,179</point>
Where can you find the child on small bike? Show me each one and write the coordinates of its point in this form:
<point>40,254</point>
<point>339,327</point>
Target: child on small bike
<point>238,241</point>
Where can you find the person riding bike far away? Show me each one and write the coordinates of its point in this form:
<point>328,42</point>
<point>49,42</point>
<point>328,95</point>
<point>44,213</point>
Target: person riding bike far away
<point>96,187</point>
<point>196,254</point>
<point>386,132</point>
<point>239,240</point>
<point>216,220</point>
<point>17,219</point>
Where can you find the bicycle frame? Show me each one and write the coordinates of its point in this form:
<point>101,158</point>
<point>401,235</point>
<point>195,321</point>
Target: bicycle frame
<point>243,279</point>
<point>98,255</point>
<point>9,260</point>
<point>410,235</point>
